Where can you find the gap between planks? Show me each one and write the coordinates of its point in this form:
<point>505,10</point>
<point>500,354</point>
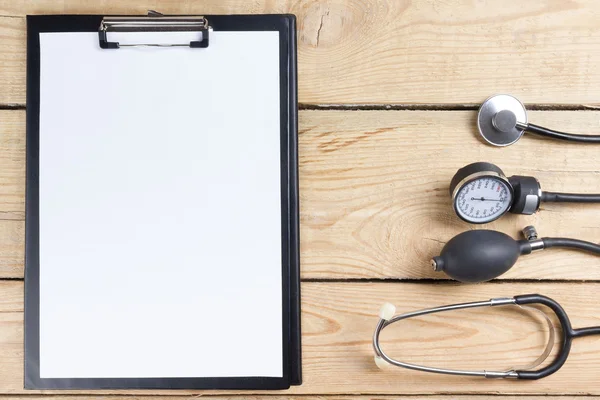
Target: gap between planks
<point>278,396</point>
<point>424,281</point>
<point>402,107</point>
<point>439,107</point>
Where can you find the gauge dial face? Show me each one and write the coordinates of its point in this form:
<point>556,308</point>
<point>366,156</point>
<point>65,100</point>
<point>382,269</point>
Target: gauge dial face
<point>483,199</point>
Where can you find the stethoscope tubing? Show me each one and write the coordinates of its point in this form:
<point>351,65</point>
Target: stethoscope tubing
<point>571,137</point>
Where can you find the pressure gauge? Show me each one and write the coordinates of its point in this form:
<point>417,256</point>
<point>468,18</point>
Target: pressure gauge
<point>481,193</point>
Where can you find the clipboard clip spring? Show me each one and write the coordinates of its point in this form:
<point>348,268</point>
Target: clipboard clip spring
<point>154,22</point>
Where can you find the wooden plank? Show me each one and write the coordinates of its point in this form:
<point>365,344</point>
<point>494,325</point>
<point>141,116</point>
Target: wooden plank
<point>12,192</point>
<point>12,165</point>
<point>12,248</point>
<point>12,60</point>
<point>373,186</point>
<point>374,191</point>
<point>391,51</point>
<point>338,320</point>
<point>309,397</point>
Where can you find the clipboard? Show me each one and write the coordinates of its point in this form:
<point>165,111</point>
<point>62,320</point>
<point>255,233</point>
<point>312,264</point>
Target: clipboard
<point>162,227</point>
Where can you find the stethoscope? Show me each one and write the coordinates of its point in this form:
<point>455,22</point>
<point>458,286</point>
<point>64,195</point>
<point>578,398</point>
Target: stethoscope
<point>502,120</point>
<point>387,318</point>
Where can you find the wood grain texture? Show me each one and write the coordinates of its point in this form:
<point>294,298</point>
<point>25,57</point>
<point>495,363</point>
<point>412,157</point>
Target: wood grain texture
<point>12,248</point>
<point>12,192</point>
<point>13,47</point>
<point>12,166</point>
<point>338,321</point>
<point>390,51</point>
<point>373,187</point>
<point>374,200</point>
<point>292,397</point>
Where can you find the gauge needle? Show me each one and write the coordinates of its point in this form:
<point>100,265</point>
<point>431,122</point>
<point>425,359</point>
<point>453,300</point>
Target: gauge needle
<point>483,199</point>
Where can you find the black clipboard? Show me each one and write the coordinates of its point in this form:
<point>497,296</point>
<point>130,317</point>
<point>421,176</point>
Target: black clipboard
<point>286,26</point>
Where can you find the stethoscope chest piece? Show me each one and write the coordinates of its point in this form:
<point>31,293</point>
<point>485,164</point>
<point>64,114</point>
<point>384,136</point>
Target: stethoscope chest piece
<point>502,120</point>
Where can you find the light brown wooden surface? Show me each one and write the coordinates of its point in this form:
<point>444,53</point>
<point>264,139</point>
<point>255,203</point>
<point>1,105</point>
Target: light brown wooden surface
<point>292,397</point>
<point>12,165</point>
<point>298,397</point>
<point>390,51</point>
<point>338,320</point>
<point>374,199</point>
<point>374,202</point>
<point>12,246</point>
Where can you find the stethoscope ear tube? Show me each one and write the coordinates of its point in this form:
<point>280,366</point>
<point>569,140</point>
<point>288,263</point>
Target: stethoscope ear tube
<point>387,318</point>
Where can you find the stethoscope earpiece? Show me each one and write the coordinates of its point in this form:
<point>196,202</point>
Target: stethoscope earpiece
<point>387,311</point>
<point>502,120</point>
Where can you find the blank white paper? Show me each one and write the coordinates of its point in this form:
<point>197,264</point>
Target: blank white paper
<point>160,208</point>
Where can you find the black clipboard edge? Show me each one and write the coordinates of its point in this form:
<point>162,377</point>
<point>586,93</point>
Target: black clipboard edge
<point>294,213</point>
<point>31,339</point>
<point>285,24</point>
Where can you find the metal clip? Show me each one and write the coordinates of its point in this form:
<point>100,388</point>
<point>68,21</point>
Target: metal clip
<point>153,22</point>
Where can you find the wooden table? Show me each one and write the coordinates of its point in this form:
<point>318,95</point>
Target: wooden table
<point>388,92</point>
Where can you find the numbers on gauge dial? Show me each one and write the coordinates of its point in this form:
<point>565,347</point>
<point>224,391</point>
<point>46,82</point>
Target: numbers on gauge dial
<point>483,200</point>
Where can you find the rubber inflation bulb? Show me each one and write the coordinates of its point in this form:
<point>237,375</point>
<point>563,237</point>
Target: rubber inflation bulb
<point>478,256</point>
<point>380,362</point>
<point>387,311</point>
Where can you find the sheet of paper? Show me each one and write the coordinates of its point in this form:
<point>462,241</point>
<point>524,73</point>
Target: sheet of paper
<point>160,213</point>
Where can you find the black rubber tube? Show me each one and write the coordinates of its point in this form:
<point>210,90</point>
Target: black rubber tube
<point>567,337</point>
<point>593,330</point>
<point>570,197</point>
<point>539,130</point>
<point>572,244</point>
<point>568,334</point>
